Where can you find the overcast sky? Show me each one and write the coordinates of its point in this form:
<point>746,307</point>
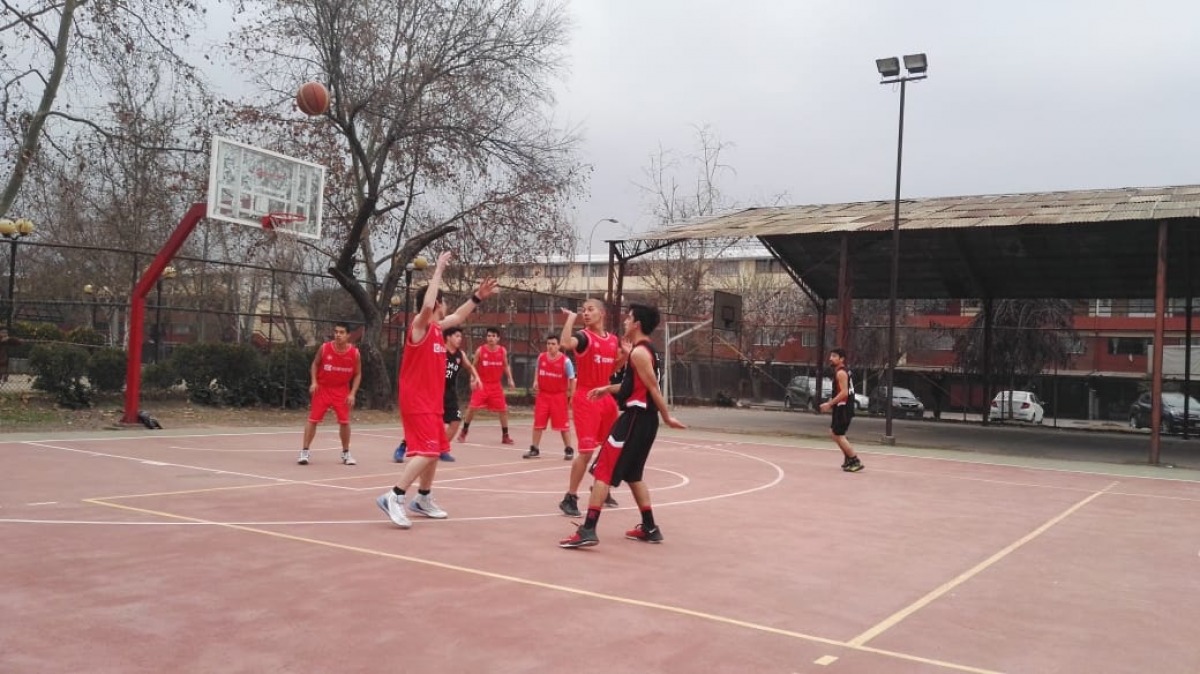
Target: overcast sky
<point>1022,96</point>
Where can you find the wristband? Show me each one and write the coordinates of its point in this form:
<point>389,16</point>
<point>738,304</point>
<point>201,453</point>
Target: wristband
<point>475,299</point>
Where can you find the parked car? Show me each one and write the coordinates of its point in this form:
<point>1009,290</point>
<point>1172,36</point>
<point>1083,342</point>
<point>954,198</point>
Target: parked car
<point>904,403</point>
<point>1172,413</point>
<point>1016,405</point>
<point>802,390</point>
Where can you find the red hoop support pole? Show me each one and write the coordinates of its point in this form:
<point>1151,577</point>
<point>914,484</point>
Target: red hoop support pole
<point>137,307</point>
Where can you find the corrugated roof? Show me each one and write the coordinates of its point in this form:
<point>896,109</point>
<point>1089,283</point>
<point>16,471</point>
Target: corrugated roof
<point>995,210</point>
<point>1083,244</point>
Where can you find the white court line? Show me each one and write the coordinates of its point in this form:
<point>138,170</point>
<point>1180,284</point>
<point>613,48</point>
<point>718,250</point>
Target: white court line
<point>292,450</point>
<point>188,467</point>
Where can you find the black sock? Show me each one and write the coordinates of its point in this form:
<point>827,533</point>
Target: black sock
<point>504,430</point>
<point>568,449</point>
<point>423,492</point>
<point>397,491</point>
<point>466,425</point>
<point>593,516</point>
<point>647,519</point>
<point>534,448</point>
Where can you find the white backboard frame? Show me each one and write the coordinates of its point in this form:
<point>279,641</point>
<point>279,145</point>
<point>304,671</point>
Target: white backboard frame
<point>245,183</point>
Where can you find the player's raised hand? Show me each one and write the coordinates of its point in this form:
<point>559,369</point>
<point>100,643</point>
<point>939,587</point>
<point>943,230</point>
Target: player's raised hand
<point>569,313</point>
<point>487,288</point>
<point>444,258</point>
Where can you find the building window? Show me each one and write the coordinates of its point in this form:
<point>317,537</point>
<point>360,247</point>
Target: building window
<point>1128,346</point>
<point>808,338</point>
<point>1141,309</point>
<point>1100,308</point>
<point>724,268</point>
<point>558,271</point>
<point>771,266</point>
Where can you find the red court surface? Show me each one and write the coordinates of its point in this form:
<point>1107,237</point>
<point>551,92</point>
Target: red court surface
<point>186,552</point>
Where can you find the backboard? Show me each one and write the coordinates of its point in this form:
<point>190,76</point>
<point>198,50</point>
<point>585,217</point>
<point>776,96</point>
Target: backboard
<point>247,184</point>
<point>727,311</point>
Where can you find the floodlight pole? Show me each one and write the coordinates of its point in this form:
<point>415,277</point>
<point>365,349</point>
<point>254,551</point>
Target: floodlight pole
<point>888,437</point>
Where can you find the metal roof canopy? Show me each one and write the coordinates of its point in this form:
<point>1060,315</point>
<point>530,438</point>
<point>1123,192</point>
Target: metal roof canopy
<point>1071,245</point>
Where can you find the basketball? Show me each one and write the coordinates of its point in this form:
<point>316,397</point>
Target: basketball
<point>312,98</point>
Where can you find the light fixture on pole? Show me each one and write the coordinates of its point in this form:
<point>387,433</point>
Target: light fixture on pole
<point>889,69</point>
<point>168,272</point>
<point>589,251</point>
<point>13,230</point>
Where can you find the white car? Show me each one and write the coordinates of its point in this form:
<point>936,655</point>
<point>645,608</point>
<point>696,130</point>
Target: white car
<point>1016,405</point>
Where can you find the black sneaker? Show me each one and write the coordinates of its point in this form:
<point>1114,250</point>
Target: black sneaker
<point>570,505</point>
<point>568,454</point>
<point>582,538</point>
<point>641,533</point>
<point>533,453</point>
<point>852,465</point>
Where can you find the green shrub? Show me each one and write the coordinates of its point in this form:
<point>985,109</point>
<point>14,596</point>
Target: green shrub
<point>30,334</point>
<point>285,377</point>
<point>106,370</point>
<point>60,369</point>
<point>85,336</point>
<point>219,374</point>
<point>160,376</point>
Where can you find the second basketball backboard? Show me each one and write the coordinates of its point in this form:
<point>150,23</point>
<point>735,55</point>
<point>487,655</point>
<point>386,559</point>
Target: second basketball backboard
<point>256,187</point>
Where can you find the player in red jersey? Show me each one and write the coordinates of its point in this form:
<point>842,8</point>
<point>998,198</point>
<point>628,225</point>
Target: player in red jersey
<point>553,386</point>
<point>491,362</point>
<point>623,456</point>
<point>421,393</point>
<point>334,376</point>
<point>596,352</point>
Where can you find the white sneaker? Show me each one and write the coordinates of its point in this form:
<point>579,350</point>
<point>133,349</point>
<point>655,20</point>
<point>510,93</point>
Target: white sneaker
<point>303,460</point>
<point>393,504</point>
<point>348,460</point>
<point>423,505</point>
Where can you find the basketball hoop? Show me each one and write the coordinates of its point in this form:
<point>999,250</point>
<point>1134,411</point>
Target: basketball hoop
<point>280,219</point>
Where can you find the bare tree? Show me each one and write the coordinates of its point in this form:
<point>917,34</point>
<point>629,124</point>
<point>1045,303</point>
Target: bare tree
<point>438,127</point>
<point>54,56</point>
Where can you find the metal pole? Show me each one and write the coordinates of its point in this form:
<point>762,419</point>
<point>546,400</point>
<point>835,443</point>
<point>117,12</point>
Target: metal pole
<point>888,436</point>
<point>1156,369</point>
<point>12,280</point>
<point>158,321</point>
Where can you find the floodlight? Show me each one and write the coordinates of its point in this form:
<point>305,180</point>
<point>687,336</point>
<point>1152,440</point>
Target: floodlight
<point>889,67</point>
<point>915,64</point>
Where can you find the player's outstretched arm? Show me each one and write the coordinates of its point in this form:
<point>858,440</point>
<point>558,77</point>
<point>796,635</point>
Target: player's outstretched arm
<point>420,323</point>
<point>567,338</point>
<point>643,366</point>
<point>486,289</point>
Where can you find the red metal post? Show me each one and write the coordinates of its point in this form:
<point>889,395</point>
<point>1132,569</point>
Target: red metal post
<point>1160,329</point>
<point>137,307</point>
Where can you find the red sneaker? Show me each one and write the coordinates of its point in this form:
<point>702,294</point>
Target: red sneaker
<point>641,533</point>
<point>506,440</point>
<point>462,436</point>
<point>582,538</point>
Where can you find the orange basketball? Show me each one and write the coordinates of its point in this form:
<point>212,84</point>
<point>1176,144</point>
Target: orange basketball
<point>312,98</point>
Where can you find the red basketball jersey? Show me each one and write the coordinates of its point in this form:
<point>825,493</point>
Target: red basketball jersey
<point>423,373</point>
<point>336,369</point>
<point>552,374</point>
<point>595,363</point>
<point>491,364</point>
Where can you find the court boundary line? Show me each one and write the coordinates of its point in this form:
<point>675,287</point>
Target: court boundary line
<point>899,616</point>
<point>553,587</point>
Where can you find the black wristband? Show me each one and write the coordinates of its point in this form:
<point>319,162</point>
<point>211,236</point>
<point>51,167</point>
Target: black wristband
<point>475,299</point>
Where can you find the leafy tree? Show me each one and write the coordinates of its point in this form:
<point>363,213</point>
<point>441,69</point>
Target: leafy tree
<point>1028,336</point>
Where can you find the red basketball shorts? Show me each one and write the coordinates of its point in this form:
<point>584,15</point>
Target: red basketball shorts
<point>325,398</point>
<point>593,420</point>
<point>552,408</point>
<point>425,434</point>
<point>489,396</point>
